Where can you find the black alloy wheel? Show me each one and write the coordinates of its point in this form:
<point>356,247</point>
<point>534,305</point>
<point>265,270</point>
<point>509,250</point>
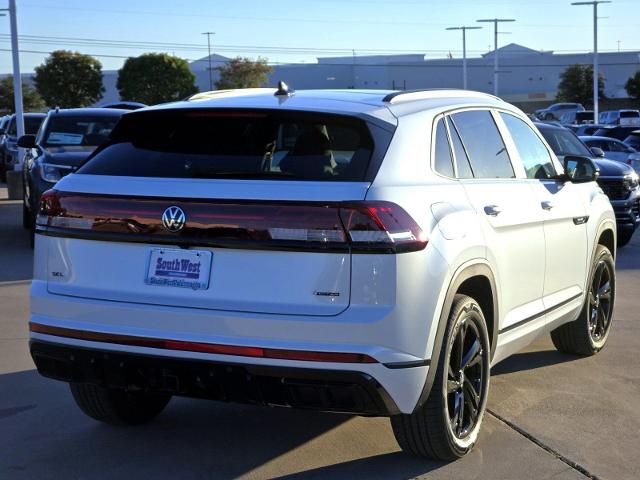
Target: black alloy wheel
<point>465,378</point>
<point>600,301</point>
<point>588,333</point>
<point>447,424</point>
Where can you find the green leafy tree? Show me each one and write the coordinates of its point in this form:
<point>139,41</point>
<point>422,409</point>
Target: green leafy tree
<point>576,85</point>
<point>155,78</point>
<point>243,73</point>
<point>69,79</point>
<point>633,86</point>
<point>31,99</point>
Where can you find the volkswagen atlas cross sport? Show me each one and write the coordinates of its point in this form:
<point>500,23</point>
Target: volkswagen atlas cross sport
<point>366,252</point>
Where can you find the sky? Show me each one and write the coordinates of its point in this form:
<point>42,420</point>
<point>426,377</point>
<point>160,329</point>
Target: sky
<point>287,31</point>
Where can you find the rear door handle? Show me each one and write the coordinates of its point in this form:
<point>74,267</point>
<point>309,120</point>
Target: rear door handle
<point>493,210</point>
<point>546,205</point>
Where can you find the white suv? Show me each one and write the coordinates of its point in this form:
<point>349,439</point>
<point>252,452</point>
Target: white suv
<point>363,252</point>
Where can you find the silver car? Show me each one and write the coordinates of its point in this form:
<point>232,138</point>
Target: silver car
<point>615,150</point>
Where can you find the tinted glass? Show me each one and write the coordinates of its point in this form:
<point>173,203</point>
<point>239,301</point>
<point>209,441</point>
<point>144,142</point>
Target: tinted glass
<point>601,144</point>
<point>442,162</point>
<point>584,116</point>
<point>633,140</point>
<point>236,144</point>
<point>483,143</point>
<point>462,160</point>
<point>616,146</point>
<point>77,133</point>
<point>629,114</point>
<point>534,155</point>
<point>31,125</point>
<point>563,142</point>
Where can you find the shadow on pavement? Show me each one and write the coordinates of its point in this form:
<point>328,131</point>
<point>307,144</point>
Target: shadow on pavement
<point>191,438</point>
<point>388,465</point>
<point>15,244</point>
<point>532,360</point>
<point>628,257</point>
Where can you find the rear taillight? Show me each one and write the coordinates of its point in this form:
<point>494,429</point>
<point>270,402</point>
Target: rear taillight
<point>381,225</point>
<point>357,226</point>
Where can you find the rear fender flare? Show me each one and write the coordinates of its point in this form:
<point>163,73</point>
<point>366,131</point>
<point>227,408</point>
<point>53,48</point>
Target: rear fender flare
<point>465,272</point>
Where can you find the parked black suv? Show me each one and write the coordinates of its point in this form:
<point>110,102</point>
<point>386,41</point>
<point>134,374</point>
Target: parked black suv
<point>66,139</point>
<point>8,148</point>
<point>618,180</point>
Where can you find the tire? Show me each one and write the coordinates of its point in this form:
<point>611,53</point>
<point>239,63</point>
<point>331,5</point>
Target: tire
<point>588,334</point>
<point>549,116</point>
<point>118,407</point>
<point>428,431</point>
<point>624,237</point>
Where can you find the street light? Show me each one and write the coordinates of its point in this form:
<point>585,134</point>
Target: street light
<point>17,80</point>
<point>208,34</point>
<point>464,51</point>
<point>595,53</point>
<point>495,22</point>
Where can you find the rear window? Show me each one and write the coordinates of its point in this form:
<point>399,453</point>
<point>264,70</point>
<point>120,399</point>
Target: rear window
<point>630,114</point>
<point>236,144</point>
<point>31,125</point>
<point>77,133</point>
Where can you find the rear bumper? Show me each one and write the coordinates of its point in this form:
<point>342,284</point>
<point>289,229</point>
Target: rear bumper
<point>327,390</point>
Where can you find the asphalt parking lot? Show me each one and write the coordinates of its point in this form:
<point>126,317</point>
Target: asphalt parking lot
<point>550,415</point>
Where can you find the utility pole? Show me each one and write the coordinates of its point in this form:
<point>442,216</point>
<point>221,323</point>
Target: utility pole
<point>495,22</point>
<point>596,76</point>
<point>17,80</point>
<point>464,51</point>
<point>353,70</point>
<point>208,34</point>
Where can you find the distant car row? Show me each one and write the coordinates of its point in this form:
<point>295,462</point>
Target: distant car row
<point>575,114</point>
<point>617,178</point>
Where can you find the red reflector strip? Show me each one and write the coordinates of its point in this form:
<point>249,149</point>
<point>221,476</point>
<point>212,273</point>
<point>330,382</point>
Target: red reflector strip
<point>255,352</point>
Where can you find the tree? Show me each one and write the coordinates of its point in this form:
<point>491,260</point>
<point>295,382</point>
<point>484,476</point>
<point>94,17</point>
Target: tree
<point>243,73</point>
<point>155,78</point>
<point>576,85</point>
<point>69,79</point>
<point>633,86</point>
<point>31,99</point>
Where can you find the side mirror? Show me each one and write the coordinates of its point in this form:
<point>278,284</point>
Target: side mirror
<point>597,152</point>
<point>580,169</point>
<point>27,141</point>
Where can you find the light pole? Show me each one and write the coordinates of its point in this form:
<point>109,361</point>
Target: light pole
<point>596,76</point>
<point>464,51</point>
<point>495,22</point>
<point>208,34</point>
<point>17,80</point>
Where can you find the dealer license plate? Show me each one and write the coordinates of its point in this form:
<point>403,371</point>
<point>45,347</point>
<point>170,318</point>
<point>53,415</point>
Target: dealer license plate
<point>171,267</point>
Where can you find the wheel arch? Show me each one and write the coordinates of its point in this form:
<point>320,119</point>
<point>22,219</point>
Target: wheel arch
<point>607,237</point>
<point>477,281</point>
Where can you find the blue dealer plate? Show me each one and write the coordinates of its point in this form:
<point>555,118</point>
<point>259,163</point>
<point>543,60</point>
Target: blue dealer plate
<point>170,267</point>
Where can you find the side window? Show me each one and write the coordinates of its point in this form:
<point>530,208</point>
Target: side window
<point>12,130</point>
<point>483,143</point>
<point>534,155</point>
<point>462,160</point>
<point>616,147</point>
<point>442,162</point>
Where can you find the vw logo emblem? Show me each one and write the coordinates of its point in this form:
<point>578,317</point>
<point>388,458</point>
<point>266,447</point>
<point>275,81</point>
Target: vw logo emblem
<point>174,219</point>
